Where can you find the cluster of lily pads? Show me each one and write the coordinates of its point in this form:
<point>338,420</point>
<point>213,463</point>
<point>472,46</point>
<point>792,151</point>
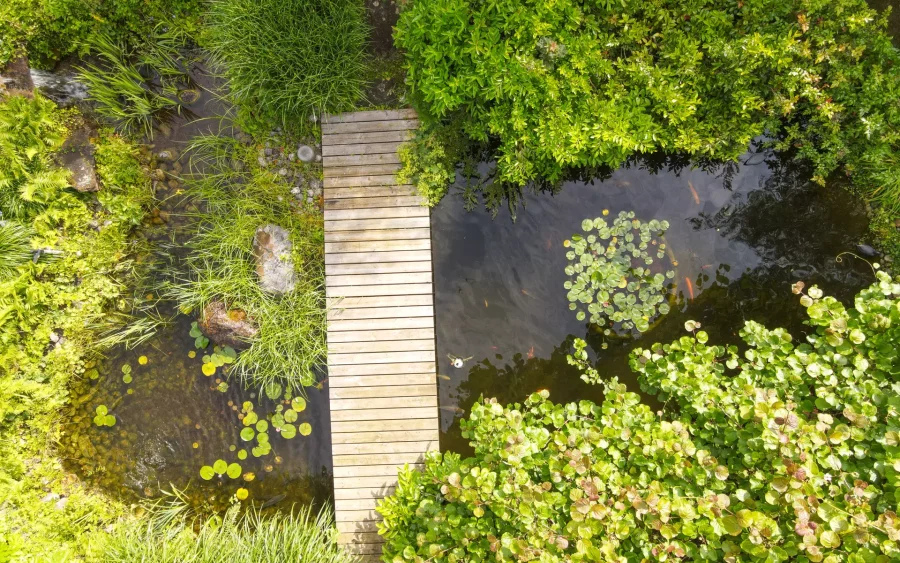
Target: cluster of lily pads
<point>611,278</point>
<point>219,357</point>
<point>282,422</point>
<point>200,341</point>
<point>220,467</point>
<point>103,418</point>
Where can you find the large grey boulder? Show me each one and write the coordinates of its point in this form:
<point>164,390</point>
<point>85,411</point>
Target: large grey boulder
<point>228,327</point>
<point>77,156</point>
<point>274,265</point>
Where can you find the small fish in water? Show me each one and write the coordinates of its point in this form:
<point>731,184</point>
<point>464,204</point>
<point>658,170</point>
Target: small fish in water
<point>444,377</point>
<point>531,353</point>
<point>549,242</point>
<point>273,501</point>
<point>690,287</point>
<point>867,251</point>
<point>485,303</point>
<point>705,266</point>
<point>525,292</point>
<point>694,193</point>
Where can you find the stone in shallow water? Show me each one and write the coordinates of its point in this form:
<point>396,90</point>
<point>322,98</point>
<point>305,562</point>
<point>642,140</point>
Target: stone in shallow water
<point>274,265</point>
<point>229,327</point>
<point>77,156</point>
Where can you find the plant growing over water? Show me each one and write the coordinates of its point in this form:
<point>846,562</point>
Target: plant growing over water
<point>612,273</point>
<point>786,451</point>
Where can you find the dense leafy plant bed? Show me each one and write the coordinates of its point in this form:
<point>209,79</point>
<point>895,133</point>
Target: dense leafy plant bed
<point>785,450</point>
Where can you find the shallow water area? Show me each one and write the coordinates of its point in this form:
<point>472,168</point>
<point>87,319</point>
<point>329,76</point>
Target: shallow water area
<point>740,235</point>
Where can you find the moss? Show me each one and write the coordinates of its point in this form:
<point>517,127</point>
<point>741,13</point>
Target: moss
<point>886,234</point>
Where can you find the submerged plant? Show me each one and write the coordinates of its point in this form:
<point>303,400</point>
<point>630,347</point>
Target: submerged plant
<point>612,274</point>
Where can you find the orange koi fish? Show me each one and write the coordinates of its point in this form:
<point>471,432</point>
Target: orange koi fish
<point>531,353</point>
<point>690,287</point>
<point>694,193</point>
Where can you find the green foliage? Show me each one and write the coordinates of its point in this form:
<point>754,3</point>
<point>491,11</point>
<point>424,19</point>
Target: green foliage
<point>884,227</point>
<point>559,85</point>
<point>48,30</point>
<point>287,59</point>
<point>300,535</point>
<point>613,273</point>
<point>15,247</point>
<point>237,199</point>
<point>789,451</point>
<point>429,161</point>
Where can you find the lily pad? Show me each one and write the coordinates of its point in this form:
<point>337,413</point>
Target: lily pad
<point>273,391</point>
<point>290,415</point>
<point>242,454</point>
<point>262,426</point>
<point>288,431</point>
<point>220,466</point>
<point>305,429</point>
<point>143,360</point>
<point>208,369</point>
<point>298,404</point>
<point>101,410</point>
<point>250,418</point>
<point>242,494</point>
<point>207,473</point>
<point>247,434</point>
<point>233,471</point>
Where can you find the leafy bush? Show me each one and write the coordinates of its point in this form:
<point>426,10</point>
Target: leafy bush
<point>48,30</point>
<point>285,59</point>
<point>237,538</point>
<point>559,85</point>
<point>788,451</point>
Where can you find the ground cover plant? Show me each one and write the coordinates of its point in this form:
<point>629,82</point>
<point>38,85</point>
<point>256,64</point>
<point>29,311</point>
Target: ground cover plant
<point>237,199</point>
<point>288,59</point>
<point>785,449</point>
<point>60,288</point>
<point>553,86</point>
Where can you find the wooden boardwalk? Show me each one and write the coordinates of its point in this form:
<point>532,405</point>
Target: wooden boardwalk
<point>381,348</point>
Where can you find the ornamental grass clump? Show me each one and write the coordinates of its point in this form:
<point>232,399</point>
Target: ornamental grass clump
<point>615,272</point>
<point>288,59</point>
<point>789,450</point>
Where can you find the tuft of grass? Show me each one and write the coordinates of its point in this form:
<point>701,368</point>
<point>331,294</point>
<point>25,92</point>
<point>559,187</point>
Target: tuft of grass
<point>288,59</point>
<point>236,200</point>
<point>15,247</point>
<point>251,537</point>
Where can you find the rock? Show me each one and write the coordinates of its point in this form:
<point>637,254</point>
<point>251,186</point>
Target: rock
<point>228,327</point>
<point>167,155</point>
<point>50,497</point>
<point>61,503</point>
<point>16,77</point>
<point>77,156</point>
<point>318,158</point>
<point>262,161</point>
<point>274,265</point>
<point>282,171</point>
<point>306,153</point>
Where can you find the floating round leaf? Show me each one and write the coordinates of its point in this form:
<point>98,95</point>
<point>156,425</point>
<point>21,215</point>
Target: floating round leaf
<point>109,420</point>
<point>242,494</point>
<point>143,360</point>
<point>273,391</point>
<point>127,379</point>
<point>278,421</point>
<point>220,466</point>
<point>305,429</point>
<point>242,453</point>
<point>290,415</point>
<point>233,471</point>
<point>298,404</point>
<point>208,369</point>
<point>207,473</point>
<point>101,410</point>
<point>262,426</point>
<point>251,418</point>
<point>262,438</point>
<point>247,434</point>
<point>288,431</point>
<point>247,406</point>
<point>126,369</point>
<point>192,354</point>
<point>249,476</point>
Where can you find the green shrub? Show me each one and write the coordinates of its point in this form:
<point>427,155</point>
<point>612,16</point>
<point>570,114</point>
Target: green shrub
<point>287,59</point>
<point>235,538</point>
<point>568,84</point>
<point>788,451</point>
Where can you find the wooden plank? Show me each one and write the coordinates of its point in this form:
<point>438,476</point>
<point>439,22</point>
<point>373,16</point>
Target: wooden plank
<point>369,126</point>
<point>361,493</point>
<point>384,448</point>
<point>373,290</point>
<point>370,381</point>
<point>381,257</point>
<point>382,324</point>
<point>373,202</point>
<point>371,137</point>
<point>367,180</point>
<point>363,147</point>
<point>368,358</point>
<point>374,224</point>
<point>359,537</point>
<point>388,346</point>
<point>380,335</point>
<point>361,160</point>
<point>376,213</point>
<point>381,234</point>
<point>352,427</point>
<point>359,192</point>
<point>380,313</point>
<point>357,527</point>
<point>383,403</point>
<point>378,459</point>
<point>382,369</point>
<point>390,469</point>
<point>383,414</point>
<point>369,170</point>
<point>370,115</point>
<point>357,516</point>
<point>364,548</point>
<point>357,503</point>
<point>386,436</point>
<point>378,279</point>
<point>383,268</point>
<point>378,246</point>
<point>383,301</point>
<point>365,482</point>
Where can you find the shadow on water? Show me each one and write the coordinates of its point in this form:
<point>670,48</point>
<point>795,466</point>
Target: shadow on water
<point>741,235</point>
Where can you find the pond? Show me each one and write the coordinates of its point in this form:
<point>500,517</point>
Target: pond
<point>740,234</point>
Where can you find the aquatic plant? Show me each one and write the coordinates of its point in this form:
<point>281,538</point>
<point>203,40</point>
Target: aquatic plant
<point>781,451</point>
<point>612,274</point>
<point>289,59</point>
<point>220,357</point>
<point>200,340</point>
<point>103,418</point>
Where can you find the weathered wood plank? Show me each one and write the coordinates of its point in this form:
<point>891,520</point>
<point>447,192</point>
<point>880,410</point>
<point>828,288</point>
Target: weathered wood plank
<point>376,213</point>
<point>355,504</point>
<point>383,369</point>
<point>361,160</point>
<point>383,301</point>
<point>364,548</point>
<point>380,335</point>
<point>383,448</point>
<point>368,381</point>
<point>388,346</point>
<point>370,115</point>
<point>373,202</point>
<point>370,170</point>
<point>374,224</point>
<point>377,246</point>
<point>379,235</point>
<point>386,436</point>
<point>393,425</point>
<point>360,537</point>
<point>367,180</point>
<point>378,279</point>
<point>390,469</point>
<point>368,191</point>
<point>361,493</point>
<point>367,358</point>
<point>373,290</point>
<point>357,527</point>
<point>336,139</point>
<point>362,147</point>
<point>397,459</point>
<point>369,126</point>
<point>382,324</point>
<point>383,414</point>
<point>339,314</point>
<point>383,403</point>
<point>382,268</point>
<point>381,257</point>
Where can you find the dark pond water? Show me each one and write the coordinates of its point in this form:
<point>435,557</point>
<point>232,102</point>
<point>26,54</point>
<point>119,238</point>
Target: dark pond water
<point>740,240</point>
